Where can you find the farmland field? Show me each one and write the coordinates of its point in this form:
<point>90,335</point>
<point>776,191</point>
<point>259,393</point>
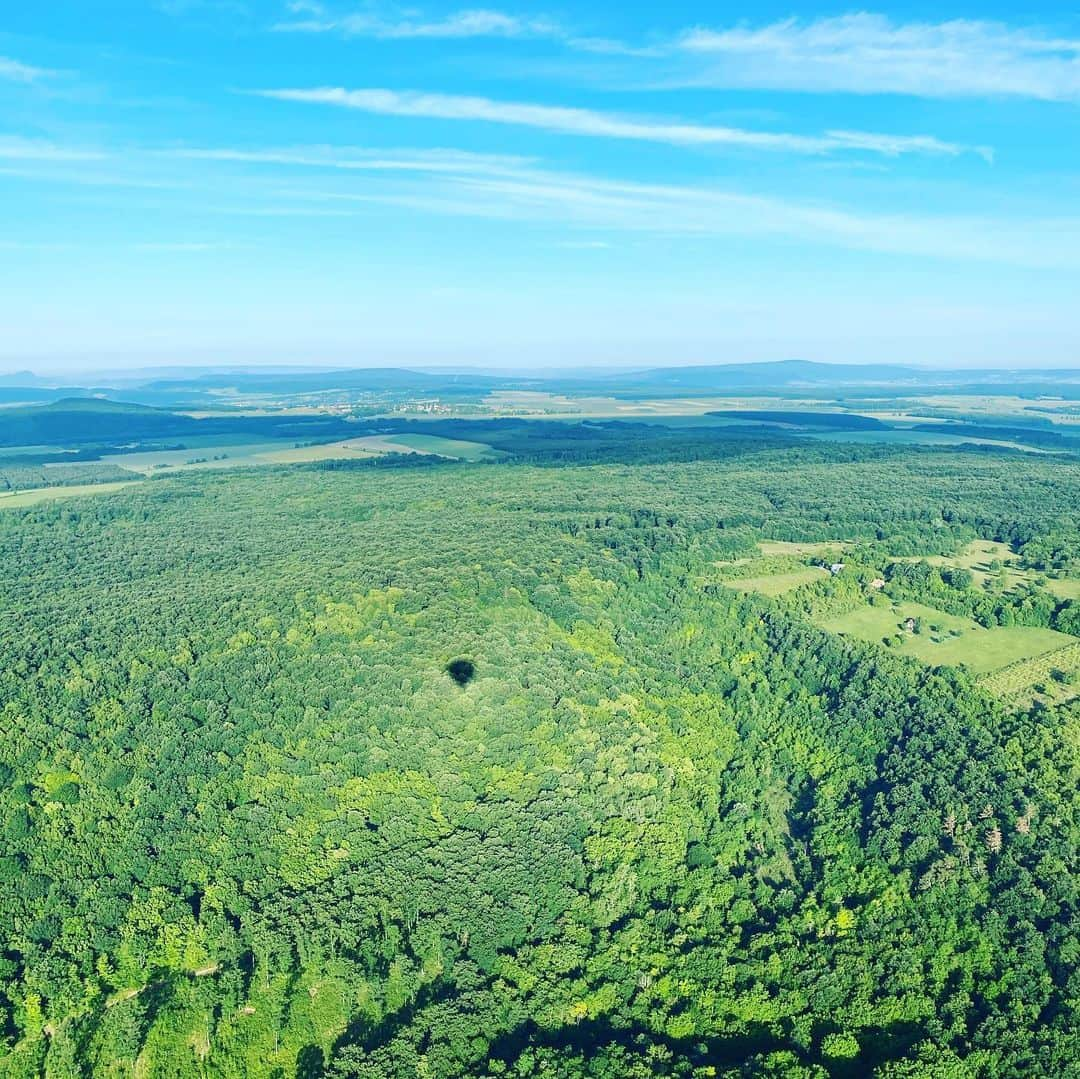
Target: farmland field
<point>43,494</point>
<point>775,584</point>
<point>220,452</point>
<point>771,548</point>
<point>979,555</point>
<point>1063,587</point>
<point>1051,677</point>
<point>291,455</point>
<point>956,641</point>
<point>374,445</point>
<point>444,447</point>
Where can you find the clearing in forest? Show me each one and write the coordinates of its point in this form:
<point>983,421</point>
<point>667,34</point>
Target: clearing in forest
<point>987,560</point>
<point>328,451</point>
<point>443,447</point>
<point>1063,587</point>
<point>1052,678</point>
<point>980,555</point>
<point>776,584</point>
<point>35,495</point>
<point>783,548</point>
<point>937,638</point>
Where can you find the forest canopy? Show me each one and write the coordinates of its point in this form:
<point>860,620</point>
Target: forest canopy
<point>490,770</point>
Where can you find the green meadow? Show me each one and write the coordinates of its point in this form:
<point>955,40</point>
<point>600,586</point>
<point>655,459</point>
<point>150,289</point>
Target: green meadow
<point>944,638</point>
<point>776,584</point>
<point>444,447</point>
<point>32,497</point>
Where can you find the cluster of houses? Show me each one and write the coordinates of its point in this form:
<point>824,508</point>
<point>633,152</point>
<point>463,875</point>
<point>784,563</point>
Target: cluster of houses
<point>836,568</point>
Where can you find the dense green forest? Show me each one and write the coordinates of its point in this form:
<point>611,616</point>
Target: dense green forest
<point>368,771</point>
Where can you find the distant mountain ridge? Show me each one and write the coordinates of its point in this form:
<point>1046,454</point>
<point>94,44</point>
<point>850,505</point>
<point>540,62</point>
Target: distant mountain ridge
<point>215,387</point>
<point>782,371</point>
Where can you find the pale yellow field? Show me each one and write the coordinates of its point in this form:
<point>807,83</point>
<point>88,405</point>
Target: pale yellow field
<point>352,447</point>
<point>376,445</point>
<point>799,550</point>
<point>1051,677</point>
<point>44,494</point>
<point>1063,587</point>
<point>775,584</point>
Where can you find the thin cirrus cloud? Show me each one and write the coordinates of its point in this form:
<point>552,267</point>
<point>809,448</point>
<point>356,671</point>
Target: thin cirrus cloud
<point>508,189</point>
<point>871,54</point>
<point>359,159</point>
<point>588,122</point>
<point>181,246</point>
<point>15,71</point>
<point>622,206</point>
<point>860,53</point>
<point>18,148</point>
<point>314,18</point>
<point>511,190</point>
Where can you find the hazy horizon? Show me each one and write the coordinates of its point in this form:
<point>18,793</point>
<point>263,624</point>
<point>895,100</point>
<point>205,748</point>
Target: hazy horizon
<point>177,369</point>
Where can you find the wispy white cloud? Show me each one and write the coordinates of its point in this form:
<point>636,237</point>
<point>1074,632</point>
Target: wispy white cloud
<point>707,212</point>
<point>499,188</point>
<point>27,245</point>
<point>608,206</point>
<point>578,121</point>
<point>17,148</point>
<point>603,207</point>
<point>606,46</point>
<point>314,18</point>
<point>358,158</point>
<point>182,247</point>
<point>868,53</point>
<point>894,145</point>
<point>862,52</point>
<point>14,71</point>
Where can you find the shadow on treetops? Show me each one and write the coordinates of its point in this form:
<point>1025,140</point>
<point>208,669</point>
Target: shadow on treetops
<point>461,670</point>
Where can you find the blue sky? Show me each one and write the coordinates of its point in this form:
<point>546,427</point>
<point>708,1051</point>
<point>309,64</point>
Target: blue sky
<point>198,181</point>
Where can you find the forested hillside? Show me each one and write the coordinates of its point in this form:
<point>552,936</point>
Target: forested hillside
<point>485,770</point>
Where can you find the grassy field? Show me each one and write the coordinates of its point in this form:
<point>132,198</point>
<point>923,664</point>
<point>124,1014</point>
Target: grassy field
<point>771,548</point>
<point>908,436</point>
<point>955,641</point>
<point>991,406</point>
<point>292,455</point>
<point>775,584</point>
<point>1016,663</point>
<point>1052,678</point>
<point>1064,587</point>
<point>976,557</point>
<point>978,554</point>
<point>228,452</point>
<point>374,445</point>
<point>444,447</point>
<point>44,494</point>
<point>532,402</point>
<point>235,452</point>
